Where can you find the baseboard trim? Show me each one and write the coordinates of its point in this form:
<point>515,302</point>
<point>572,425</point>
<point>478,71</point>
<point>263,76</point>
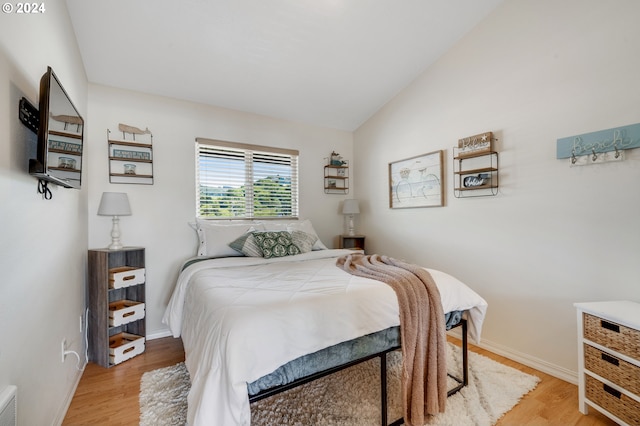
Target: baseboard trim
<point>528,360</point>
<point>67,403</point>
<point>159,334</point>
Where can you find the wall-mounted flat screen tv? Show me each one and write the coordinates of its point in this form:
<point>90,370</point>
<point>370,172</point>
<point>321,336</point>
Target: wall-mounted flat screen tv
<point>59,150</point>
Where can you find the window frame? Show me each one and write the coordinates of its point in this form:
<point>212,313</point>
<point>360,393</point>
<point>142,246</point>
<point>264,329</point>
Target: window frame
<point>248,151</point>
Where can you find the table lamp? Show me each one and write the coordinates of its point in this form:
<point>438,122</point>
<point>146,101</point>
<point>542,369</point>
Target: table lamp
<point>114,204</point>
<point>350,208</point>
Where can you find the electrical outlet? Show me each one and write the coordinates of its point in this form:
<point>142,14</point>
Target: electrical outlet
<point>63,355</point>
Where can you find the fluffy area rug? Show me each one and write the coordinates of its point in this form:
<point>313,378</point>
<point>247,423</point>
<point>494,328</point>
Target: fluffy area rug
<point>351,397</point>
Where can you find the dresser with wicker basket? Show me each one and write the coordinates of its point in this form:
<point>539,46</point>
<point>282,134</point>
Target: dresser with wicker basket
<point>609,359</point>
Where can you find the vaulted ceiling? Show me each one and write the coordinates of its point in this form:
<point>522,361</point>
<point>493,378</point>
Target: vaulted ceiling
<point>330,63</point>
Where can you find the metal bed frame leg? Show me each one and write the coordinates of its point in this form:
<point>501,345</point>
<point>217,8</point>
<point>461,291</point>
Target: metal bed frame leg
<point>383,394</point>
<point>465,354</point>
<point>465,362</point>
<point>383,388</point>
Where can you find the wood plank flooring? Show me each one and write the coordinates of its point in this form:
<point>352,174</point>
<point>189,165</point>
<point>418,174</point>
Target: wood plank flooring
<point>110,396</point>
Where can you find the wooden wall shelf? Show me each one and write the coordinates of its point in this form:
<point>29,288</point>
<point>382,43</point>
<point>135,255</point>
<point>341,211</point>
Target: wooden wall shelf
<point>336,179</point>
<point>130,162</point>
<point>470,170</point>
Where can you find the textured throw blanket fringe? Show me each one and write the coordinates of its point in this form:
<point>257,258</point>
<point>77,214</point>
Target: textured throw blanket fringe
<point>422,331</point>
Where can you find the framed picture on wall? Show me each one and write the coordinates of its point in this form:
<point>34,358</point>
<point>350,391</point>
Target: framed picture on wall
<point>417,181</point>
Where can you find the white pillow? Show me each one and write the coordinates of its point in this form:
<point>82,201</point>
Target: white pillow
<point>274,225</point>
<point>215,236</point>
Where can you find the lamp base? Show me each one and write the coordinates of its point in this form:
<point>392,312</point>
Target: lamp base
<point>115,235</point>
<point>115,246</point>
<point>351,231</point>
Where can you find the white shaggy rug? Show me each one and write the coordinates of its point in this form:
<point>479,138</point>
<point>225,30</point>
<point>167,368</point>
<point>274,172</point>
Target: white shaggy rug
<point>350,397</point>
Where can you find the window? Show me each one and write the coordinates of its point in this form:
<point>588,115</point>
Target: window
<point>236,180</point>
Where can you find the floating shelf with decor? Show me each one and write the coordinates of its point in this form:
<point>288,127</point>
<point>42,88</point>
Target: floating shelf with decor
<point>130,155</point>
<point>336,175</point>
<point>475,167</point>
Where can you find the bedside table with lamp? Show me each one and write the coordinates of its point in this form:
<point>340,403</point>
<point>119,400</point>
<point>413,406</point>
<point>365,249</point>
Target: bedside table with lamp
<point>351,240</point>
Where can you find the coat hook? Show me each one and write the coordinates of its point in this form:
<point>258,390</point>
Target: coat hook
<point>594,157</point>
<point>573,156</point>
<point>615,146</point>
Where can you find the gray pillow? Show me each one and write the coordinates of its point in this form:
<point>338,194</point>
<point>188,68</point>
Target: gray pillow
<point>246,244</point>
<point>304,241</point>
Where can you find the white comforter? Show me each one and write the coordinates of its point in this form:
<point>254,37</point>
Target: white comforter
<point>241,318</point>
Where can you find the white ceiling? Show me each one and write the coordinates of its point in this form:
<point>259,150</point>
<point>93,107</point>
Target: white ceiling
<point>330,63</point>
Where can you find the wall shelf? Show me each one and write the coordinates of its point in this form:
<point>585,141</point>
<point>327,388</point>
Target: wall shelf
<point>130,162</point>
<point>336,179</point>
<point>475,175</point>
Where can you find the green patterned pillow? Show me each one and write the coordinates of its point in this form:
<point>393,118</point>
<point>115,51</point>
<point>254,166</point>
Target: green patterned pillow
<point>246,244</point>
<point>276,244</point>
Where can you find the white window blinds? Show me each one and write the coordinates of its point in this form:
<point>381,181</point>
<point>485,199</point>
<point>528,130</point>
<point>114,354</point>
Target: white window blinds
<point>245,181</point>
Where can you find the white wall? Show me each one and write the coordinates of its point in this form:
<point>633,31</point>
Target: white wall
<point>42,243</point>
<point>161,212</point>
<point>532,72</point>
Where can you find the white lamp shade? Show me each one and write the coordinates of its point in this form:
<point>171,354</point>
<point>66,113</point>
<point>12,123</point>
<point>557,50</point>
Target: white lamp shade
<point>350,207</point>
<point>114,204</point>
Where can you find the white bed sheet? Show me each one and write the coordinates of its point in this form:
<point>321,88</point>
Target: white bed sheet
<point>242,318</point>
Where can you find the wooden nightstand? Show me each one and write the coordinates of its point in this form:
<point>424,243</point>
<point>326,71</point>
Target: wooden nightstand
<point>609,359</point>
<point>355,242</point>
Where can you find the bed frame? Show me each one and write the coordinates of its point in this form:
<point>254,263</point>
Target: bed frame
<point>462,382</point>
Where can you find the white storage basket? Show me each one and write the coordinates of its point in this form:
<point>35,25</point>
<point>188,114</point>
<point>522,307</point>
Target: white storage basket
<point>125,311</point>
<point>124,346</point>
<point>125,276</point>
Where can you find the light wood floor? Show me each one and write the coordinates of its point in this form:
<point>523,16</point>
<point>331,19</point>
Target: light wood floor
<point>110,396</point>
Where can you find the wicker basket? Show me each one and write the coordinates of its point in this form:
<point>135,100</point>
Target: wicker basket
<point>613,369</point>
<point>617,337</point>
<point>615,402</point>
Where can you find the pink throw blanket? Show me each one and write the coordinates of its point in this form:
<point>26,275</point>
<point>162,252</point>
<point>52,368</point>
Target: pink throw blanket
<point>422,331</point>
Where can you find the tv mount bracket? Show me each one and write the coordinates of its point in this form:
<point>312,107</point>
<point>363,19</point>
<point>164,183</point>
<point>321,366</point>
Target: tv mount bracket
<point>29,115</point>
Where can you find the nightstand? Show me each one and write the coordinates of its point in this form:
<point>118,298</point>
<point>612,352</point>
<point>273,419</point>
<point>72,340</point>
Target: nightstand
<point>354,242</point>
<point>116,305</point>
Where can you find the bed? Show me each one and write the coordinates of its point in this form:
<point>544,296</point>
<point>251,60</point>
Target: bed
<point>243,318</point>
